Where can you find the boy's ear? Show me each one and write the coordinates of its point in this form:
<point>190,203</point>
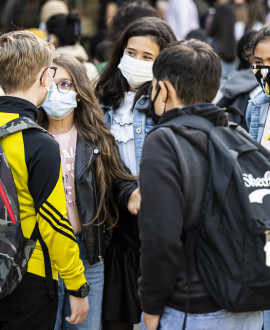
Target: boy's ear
<point>164,91</point>
<point>45,79</point>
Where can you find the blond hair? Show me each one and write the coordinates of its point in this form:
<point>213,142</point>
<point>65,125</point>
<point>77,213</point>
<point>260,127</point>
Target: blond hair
<point>22,57</point>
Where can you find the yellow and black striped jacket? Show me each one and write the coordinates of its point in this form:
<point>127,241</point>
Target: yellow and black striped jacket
<point>34,159</point>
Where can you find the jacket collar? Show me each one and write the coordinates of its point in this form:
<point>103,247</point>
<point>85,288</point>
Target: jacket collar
<point>12,104</point>
<point>85,156</point>
<point>218,116</point>
<point>260,99</point>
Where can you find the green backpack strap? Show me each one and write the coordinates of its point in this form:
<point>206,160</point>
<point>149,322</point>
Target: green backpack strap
<point>17,125</point>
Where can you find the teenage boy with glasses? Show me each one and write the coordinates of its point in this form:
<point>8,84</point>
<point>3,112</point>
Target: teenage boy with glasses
<point>34,159</point>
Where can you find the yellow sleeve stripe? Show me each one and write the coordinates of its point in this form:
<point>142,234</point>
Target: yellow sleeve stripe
<point>53,218</point>
<point>55,228</point>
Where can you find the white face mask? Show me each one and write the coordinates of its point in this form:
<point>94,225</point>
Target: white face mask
<point>60,105</point>
<point>136,72</point>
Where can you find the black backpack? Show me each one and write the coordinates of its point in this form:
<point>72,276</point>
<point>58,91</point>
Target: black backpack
<point>15,249</point>
<point>235,219</point>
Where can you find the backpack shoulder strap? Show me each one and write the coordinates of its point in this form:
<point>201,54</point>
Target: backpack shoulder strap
<point>17,125</point>
<point>191,121</point>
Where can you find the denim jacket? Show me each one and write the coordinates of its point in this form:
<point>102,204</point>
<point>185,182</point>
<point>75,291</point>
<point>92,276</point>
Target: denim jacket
<point>256,115</point>
<point>142,125</point>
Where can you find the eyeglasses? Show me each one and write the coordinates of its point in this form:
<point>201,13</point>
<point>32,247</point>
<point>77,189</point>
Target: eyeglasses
<point>64,86</point>
<point>52,68</point>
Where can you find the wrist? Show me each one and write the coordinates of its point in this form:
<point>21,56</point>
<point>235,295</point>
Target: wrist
<point>82,292</point>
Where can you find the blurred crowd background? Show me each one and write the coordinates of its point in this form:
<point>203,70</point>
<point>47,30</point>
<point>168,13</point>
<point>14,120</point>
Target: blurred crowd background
<point>96,24</point>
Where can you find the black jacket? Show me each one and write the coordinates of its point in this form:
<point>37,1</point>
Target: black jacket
<point>172,198</point>
<point>96,236</point>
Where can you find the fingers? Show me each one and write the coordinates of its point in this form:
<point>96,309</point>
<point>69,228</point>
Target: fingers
<point>79,309</point>
<point>76,318</point>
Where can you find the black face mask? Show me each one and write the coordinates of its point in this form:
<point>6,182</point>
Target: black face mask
<point>154,116</point>
<point>262,74</point>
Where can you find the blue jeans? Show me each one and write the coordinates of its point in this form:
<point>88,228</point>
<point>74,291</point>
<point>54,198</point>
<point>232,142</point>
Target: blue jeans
<point>221,320</point>
<point>266,320</point>
<point>94,275</point>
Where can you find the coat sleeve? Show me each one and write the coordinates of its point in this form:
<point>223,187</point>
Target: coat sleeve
<point>46,187</point>
<point>160,222</point>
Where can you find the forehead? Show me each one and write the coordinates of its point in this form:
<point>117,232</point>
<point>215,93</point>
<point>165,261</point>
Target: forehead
<point>143,44</point>
<point>62,73</point>
<point>262,50</point>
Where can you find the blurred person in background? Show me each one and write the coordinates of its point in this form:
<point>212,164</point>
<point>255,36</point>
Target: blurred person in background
<point>95,180</point>
<point>49,9</point>
<point>101,54</point>
<point>207,18</point>
<point>123,90</point>
<point>19,14</point>
<point>250,16</point>
<point>64,32</point>
<point>221,38</point>
<point>182,16</point>
<point>266,5</point>
<point>125,14</point>
<point>241,85</point>
<point>199,34</point>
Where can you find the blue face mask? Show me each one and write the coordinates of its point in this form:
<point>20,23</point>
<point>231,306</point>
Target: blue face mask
<point>48,96</point>
<point>59,105</point>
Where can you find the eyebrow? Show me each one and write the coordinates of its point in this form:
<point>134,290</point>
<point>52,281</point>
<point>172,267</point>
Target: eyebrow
<point>130,48</point>
<point>65,79</point>
<point>260,58</point>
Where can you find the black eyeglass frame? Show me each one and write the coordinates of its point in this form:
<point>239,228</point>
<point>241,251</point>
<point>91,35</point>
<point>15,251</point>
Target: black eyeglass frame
<point>51,68</point>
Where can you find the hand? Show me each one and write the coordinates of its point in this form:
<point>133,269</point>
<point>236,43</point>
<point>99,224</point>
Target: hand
<point>79,309</point>
<point>134,202</point>
<point>151,321</point>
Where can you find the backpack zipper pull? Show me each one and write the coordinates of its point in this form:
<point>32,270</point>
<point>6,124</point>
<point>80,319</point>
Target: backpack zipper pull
<point>267,248</point>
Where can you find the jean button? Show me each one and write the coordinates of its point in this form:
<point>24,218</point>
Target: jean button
<point>138,130</point>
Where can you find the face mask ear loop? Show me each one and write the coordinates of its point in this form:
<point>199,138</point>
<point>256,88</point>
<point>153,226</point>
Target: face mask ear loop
<point>49,73</point>
<point>166,97</point>
<point>155,97</point>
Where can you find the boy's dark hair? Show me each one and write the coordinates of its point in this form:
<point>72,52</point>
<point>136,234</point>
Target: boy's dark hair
<point>192,67</point>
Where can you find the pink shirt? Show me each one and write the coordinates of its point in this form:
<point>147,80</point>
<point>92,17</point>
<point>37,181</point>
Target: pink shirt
<point>67,143</point>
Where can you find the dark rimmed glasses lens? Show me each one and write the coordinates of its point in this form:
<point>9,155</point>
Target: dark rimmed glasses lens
<point>64,86</point>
